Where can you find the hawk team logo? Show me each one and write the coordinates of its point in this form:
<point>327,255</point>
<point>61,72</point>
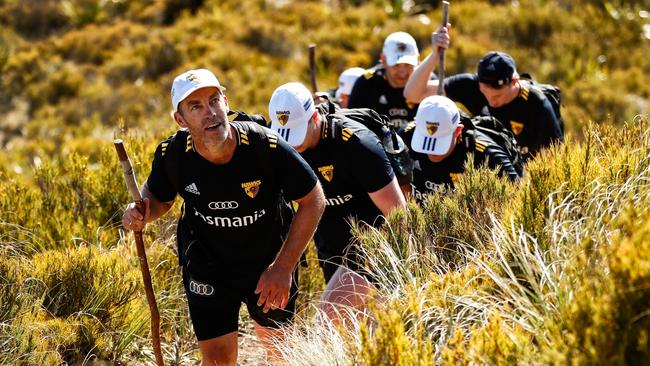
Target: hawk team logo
<point>252,188</point>
<point>517,127</point>
<point>327,172</point>
<point>283,117</point>
<point>432,127</point>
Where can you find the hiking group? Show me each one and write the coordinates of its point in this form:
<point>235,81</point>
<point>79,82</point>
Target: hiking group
<point>254,194</point>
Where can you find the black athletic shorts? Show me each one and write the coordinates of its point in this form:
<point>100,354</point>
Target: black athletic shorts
<point>214,307</point>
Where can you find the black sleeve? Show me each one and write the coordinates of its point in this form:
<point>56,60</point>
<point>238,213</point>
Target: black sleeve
<point>368,162</point>
<point>360,94</point>
<point>496,158</point>
<point>296,177</point>
<point>464,90</point>
<point>549,130</point>
<point>158,181</point>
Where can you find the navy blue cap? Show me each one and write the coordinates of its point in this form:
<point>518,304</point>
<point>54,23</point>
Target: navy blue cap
<point>496,69</point>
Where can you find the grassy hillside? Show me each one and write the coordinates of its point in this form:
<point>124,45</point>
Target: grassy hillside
<point>554,271</point>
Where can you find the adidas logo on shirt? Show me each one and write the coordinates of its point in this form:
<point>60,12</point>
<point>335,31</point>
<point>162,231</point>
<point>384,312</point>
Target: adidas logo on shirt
<point>383,100</point>
<point>192,189</point>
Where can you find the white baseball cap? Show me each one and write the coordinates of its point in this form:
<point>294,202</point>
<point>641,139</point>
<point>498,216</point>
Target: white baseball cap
<point>191,80</point>
<point>290,108</point>
<point>435,122</point>
<point>347,80</point>
<point>400,48</point>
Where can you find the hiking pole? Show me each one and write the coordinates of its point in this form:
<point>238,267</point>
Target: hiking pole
<point>132,186</point>
<point>441,62</point>
<point>312,67</point>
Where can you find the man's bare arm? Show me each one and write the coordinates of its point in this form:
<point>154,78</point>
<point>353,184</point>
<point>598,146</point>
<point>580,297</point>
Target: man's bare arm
<point>134,220</point>
<point>388,198</point>
<point>419,84</point>
<point>275,283</point>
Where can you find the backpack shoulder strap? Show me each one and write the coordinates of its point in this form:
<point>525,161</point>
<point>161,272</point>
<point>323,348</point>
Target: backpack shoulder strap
<point>251,133</point>
<point>172,151</point>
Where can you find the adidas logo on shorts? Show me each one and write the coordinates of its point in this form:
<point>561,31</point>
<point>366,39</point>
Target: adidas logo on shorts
<point>192,189</point>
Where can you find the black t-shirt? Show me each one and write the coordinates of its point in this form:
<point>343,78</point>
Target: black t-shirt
<point>349,166</point>
<point>530,116</point>
<point>373,91</point>
<point>234,210</point>
<point>430,177</point>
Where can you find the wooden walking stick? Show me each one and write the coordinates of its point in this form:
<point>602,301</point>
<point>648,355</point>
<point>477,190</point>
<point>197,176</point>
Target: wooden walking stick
<point>441,62</point>
<point>132,186</point>
<point>312,68</point>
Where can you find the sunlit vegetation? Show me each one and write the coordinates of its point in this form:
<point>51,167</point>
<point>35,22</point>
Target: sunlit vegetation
<point>554,271</point>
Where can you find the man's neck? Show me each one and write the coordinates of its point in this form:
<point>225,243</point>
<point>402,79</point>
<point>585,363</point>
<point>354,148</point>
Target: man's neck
<point>516,90</point>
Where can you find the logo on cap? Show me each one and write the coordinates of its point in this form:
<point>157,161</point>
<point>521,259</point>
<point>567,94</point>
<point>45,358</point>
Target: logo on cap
<point>432,127</point>
<point>283,117</point>
<point>327,172</point>
<point>252,188</point>
<point>192,77</point>
<point>401,47</point>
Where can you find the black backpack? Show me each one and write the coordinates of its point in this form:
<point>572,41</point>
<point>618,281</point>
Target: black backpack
<point>496,131</point>
<point>395,148</point>
<point>552,93</point>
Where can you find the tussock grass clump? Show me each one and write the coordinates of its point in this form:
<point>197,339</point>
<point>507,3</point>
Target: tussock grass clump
<point>575,291</point>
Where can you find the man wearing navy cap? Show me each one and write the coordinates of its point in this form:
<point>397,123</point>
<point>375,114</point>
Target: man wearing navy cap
<point>495,90</point>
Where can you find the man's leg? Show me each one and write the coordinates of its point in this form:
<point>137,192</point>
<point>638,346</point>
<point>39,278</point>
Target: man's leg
<point>214,319</point>
<point>269,337</point>
<point>346,292</point>
<point>268,326</point>
<point>219,351</point>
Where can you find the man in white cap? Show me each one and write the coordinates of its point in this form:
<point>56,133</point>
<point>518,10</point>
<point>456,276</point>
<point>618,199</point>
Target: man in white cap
<point>236,236</point>
<point>356,176</point>
<point>346,82</point>
<point>441,140</point>
<point>381,88</point>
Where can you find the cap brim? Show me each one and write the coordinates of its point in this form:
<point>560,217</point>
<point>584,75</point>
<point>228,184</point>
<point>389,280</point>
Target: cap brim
<point>404,59</point>
<point>294,136</point>
<point>431,145</point>
<point>195,88</point>
<point>495,83</point>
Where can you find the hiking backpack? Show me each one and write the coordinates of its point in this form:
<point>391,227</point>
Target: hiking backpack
<point>395,148</point>
<point>496,131</point>
<point>552,93</point>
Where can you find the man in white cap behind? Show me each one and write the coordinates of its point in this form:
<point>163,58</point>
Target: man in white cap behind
<point>346,82</point>
<point>441,140</point>
<point>381,88</point>
<point>238,240</point>
<point>357,179</point>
